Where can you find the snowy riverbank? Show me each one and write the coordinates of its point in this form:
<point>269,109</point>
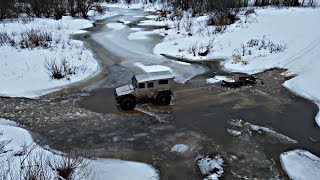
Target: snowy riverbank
<point>294,27</point>
<point>267,38</point>
<point>23,64</point>
<point>19,150</point>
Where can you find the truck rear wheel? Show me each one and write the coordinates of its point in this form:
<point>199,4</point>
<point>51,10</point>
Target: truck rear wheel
<point>128,103</point>
<point>163,99</point>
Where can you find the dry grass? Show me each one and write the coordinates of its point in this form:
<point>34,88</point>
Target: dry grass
<point>35,38</point>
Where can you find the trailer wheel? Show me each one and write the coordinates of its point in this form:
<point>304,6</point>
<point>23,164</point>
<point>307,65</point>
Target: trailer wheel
<point>128,103</point>
<point>163,98</point>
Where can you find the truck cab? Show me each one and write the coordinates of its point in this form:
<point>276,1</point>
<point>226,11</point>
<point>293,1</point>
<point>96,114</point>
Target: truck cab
<point>153,85</point>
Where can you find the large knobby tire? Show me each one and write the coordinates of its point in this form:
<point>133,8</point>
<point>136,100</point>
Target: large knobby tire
<point>128,103</point>
<point>163,99</point>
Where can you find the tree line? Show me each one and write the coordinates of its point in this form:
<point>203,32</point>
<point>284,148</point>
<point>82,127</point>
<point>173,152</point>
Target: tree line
<point>80,8</point>
<point>224,12</point>
<point>47,8</point>
<point>203,6</point>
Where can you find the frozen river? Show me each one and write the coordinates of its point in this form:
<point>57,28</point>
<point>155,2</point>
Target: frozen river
<point>208,118</point>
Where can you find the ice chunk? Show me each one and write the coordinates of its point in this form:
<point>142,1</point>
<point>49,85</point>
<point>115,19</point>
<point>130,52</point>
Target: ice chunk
<point>300,165</point>
<point>116,26</point>
<point>211,166</point>
<point>181,148</point>
<point>218,79</point>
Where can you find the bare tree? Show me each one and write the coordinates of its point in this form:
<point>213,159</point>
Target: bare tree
<point>84,6</point>
<point>39,8</point>
<point>291,2</point>
<point>71,7</point>
<point>6,9</point>
<point>59,8</point>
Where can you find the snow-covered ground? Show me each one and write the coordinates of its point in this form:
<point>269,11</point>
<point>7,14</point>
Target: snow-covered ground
<point>118,170</point>
<point>183,36</point>
<point>21,151</point>
<point>22,70</point>
<point>284,38</point>
<point>301,165</point>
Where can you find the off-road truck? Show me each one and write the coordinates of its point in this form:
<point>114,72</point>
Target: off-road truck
<point>155,86</point>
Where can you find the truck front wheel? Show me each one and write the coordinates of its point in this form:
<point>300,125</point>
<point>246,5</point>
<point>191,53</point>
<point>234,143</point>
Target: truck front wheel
<point>128,103</point>
<point>163,99</point>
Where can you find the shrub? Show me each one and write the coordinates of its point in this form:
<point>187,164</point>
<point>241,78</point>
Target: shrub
<point>276,47</point>
<point>220,29</point>
<point>59,70</point>
<point>84,6</point>
<point>70,168</point>
<point>163,14</point>
<point>260,44</point>
<point>34,167</point>
<point>253,42</point>
<point>188,25</point>
<point>4,38</point>
<point>54,69</point>
<point>200,49</point>
<point>249,11</point>
<point>220,18</point>
<point>177,14</point>
<point>193,49</point>
<point>35,38</point>
<point>3,145</point>
<point>67,68</point>
<point>100,9</point>
<point>28,39</point>
<point>36,164</point>
<point>48,8</point>
<point>26,20</point>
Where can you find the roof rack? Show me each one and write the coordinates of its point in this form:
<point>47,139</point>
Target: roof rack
<point>150,76</point>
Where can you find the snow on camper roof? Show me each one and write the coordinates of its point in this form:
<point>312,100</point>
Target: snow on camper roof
<point>154,76</point>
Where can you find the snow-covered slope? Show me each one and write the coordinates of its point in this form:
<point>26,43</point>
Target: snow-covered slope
<point>297,28</point>
<point>247,46</point>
